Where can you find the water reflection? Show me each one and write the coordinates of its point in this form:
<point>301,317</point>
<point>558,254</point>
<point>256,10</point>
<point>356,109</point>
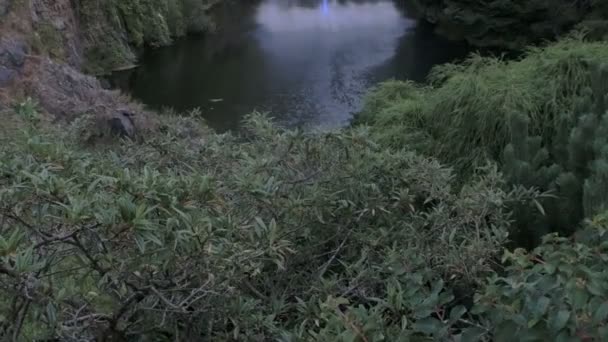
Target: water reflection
<point>308,62</point>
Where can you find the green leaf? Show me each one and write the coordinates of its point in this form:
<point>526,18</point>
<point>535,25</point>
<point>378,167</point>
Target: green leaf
<point>456,313</point>
<point>601,313</point>
<point>152,237</point>
<point>579,299</point>
<point>539,207</point>
<point>24,260</point>
<point>473,334</point>
<point>51,313</point>
<point>14,239</point>
<point>603,333</point>
<point>541,306</point>
<point>428,325</point>
<point>559,320</point>
<point>550,268</point>
<point>260,227</point>
<point>141,243</point>
<point>595,289</point>
<point>505,332</point>
<point>187,219</point>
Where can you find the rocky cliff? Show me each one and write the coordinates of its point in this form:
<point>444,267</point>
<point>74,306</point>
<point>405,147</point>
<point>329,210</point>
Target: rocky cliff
<point>47,46</point>
<point>113,31</point>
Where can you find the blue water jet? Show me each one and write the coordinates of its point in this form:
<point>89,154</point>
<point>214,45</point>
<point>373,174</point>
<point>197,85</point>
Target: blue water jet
<point>325,7</point>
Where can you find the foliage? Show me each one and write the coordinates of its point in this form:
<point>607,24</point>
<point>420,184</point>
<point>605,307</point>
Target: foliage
<point>570,162</point>
<point>513,24</point>
<point>558,292</point>
<point>112,29</point>
<point>543,120</point>
<point>48,39</point>
<point>463,116</point>
<point>540,118</point>
<point>274,235</point>
<point>105,47</point>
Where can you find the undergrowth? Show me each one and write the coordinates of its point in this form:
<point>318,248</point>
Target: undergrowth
<point>513,24</point>
<point>273,235</point>
<point>539,118</point>
<point>463,115</point>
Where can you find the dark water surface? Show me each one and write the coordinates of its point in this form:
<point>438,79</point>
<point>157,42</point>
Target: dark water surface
<point>307,62</point>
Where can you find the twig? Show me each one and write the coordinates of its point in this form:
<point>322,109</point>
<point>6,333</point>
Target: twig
<point>135,298</point>
<point>86,317</point>
<point>11,215</point>
<point>165,300</point>
<point>76,242</point>
<point>254,290</point>
<point>474,324</point>
<point>304,179</point>
<point>352,325</point>
<point>333,257</point>
<point>194,293</point>
<point>22,314</point>
<point>57,238</point>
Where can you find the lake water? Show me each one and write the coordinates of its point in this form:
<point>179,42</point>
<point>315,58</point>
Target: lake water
<point>306,62</point>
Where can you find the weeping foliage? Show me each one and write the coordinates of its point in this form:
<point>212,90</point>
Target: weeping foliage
<point>540,118</point>
<point>464,115</point>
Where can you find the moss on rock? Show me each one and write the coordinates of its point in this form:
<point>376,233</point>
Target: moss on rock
<point>114,30</point>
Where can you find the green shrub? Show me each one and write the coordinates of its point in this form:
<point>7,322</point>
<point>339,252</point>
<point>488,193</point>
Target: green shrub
<point>273,235</point>
<point>512,24</point>
<point>277,234</point>
<point>558,292</point>
<point>570,163</point>
<point>464,116</point>
<point>540,118</point>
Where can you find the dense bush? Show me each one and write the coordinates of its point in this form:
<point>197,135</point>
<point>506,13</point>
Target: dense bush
<point>540,118</point>
<point>276,235</point>
<point>463,115</point>
<point>286,235</point>
<point>513,24</point>
<point>558,292</point>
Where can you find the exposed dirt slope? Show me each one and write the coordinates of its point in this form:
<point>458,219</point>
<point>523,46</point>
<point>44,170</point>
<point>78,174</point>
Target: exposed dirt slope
<point>41,56</point>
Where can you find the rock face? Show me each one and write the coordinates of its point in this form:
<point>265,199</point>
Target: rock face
<point>48,70</point>
<point>56,25</point>
<point>6,76</point>
<point>4,7</point>
<point>122,124</point>
<point>66,93</point>
<point>12,60</point>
